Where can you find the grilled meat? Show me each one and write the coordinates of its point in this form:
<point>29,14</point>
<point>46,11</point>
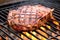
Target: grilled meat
<point>29,17</point>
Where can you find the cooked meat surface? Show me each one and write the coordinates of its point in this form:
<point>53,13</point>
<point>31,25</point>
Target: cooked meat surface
<point>28,17</point>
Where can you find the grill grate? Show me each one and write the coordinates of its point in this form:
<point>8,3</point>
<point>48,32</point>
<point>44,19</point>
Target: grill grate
<point>3,18</point>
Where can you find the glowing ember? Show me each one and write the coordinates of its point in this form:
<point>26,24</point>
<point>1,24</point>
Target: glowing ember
<point>49,27</point>
<point>55,22</point>
<point>34,33</point>
<point>33,38</point>
<point>42,28</point>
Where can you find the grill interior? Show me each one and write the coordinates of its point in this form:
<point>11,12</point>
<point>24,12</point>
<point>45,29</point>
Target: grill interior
<point>51,30</point>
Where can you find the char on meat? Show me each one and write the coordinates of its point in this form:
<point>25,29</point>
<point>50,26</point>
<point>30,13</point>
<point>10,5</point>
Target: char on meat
<point>29,17</point>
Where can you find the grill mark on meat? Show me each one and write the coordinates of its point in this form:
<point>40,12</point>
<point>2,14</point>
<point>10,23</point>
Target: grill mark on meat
<point>28,17</point>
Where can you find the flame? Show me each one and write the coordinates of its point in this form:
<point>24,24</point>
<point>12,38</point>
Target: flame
<point>29,35</point>
<point>42,28</point>
<point>33,38</point>
<point>22,36</point>
<point>34,33</point>
<point>49,27</point>
<point>26,33</point>
<point>43,38</point>
<point>39,36</point>
<point>55,22</point>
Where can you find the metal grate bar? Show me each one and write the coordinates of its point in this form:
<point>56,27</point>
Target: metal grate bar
<point>57,36</point>
<point>8,7</point>
<point>26,35</point>
<point>5,26</point>
<point>34,35</point>
<point>42,35</point>
<point>12,6</point>
<point>57,9</point>
<point>51,30</point>
<point>1,20</point>
<point>48,34</point>
<point>3,17</point>
<point>2,37</point>
<point>53,27</point>
<point>4,12</point>
<point>57,17</point>
<point>7,34</point>
<point>56,14</point>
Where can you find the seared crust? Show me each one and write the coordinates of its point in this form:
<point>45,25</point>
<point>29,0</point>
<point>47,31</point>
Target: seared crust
<point>43,15</point>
